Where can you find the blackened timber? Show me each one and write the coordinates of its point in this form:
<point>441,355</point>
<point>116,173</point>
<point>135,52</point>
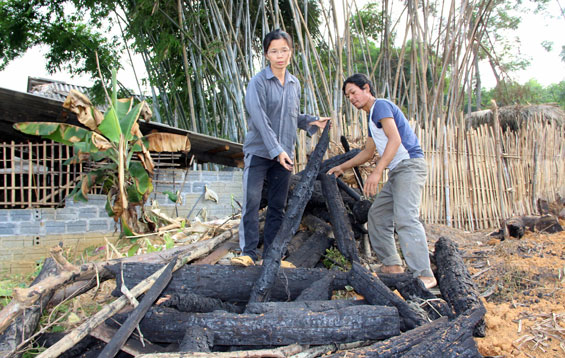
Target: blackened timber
<point>291,221</point>
<point>377,293</point>
<point>415,290</point>
<point>395,347</point>
<point>311,251</point>
<point>227,283</point>
<point>137,314</point>
<point>341,226</point>
<point>319,290</point>
<point>455,340</point>
<point>313,306</point>
<point>191,302</point>
<point>315,224</point>
<point>349,324</point>
<point>24,326</point>
<point>349,190</point>
<point>361,211</point>
<point>358,177</point>
<point>196,339</point>
<point>337,160</point>
<point>455,282</point>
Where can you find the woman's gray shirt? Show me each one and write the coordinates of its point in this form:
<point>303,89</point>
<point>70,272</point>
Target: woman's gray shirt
<point>273,115</point>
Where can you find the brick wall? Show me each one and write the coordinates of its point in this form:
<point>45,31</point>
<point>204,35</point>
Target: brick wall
<point>27,234</point>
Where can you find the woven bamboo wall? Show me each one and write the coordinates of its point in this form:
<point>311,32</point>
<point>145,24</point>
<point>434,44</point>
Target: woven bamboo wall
<point>474,180</point>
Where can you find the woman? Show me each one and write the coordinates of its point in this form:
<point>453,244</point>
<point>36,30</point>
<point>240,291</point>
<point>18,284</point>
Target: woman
<point>272,102</point>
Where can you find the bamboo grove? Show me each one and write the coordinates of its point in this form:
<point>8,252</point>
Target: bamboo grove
<point>200,54</point>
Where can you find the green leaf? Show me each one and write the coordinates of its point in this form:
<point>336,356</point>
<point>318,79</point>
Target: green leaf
<point>123,106</point>
<point>169,242</point>
<point>133,250</point>
<point>172,196</point>
<point>108,207</point>
<point>126,230</point>
<point>110,126</point>
<point>141,178</point>
<point>129,120</point>
<point>150,247</point>
<point>134,196</point>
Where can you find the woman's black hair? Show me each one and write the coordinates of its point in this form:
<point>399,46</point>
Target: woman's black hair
<point>360,80</point>
<point>275,35</point>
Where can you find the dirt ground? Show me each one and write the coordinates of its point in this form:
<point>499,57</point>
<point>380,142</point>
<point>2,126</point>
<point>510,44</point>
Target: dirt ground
<point>522,282</point>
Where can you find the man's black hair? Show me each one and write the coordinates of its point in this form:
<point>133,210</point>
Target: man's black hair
<point>360,80</point>
<point>276,35</point>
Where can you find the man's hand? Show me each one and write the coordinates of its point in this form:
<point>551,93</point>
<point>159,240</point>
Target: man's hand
<point>337,171</point>
<point>321,123</point>
<point>285,161</point>
<point>372,183</point>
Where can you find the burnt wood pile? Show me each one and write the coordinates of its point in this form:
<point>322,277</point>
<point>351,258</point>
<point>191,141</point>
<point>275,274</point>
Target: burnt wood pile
<point>184,308</point>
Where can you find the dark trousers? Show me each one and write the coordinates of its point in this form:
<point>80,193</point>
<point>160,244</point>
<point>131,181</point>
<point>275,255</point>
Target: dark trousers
<point>256,170</point>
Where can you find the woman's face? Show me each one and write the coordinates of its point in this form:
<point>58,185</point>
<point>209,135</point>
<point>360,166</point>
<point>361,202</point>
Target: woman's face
<point>279,54</point>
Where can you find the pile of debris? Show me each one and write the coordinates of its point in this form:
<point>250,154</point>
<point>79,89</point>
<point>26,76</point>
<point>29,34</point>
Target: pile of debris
<point>196,308</point>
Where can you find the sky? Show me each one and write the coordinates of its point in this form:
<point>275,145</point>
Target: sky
<point>546,67</point>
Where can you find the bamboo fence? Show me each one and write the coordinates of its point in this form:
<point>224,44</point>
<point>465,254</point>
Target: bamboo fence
<point>474,180</point>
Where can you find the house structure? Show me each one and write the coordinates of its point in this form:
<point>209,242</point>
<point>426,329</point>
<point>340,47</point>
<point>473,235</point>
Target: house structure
<point>35,213</point>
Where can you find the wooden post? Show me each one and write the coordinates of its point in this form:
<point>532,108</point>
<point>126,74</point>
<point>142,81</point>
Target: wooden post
<point>498,155</point>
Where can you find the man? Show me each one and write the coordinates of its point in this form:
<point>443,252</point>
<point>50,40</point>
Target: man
<point>398,203</point>
<point>272,102</point>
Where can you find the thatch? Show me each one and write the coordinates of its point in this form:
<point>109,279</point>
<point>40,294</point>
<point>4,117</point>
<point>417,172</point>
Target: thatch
<point>513,117</point>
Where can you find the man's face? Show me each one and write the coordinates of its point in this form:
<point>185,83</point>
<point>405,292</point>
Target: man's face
<point>357,96</point>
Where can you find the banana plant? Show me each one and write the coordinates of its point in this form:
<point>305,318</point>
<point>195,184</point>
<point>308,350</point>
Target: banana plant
<point>123,165</point>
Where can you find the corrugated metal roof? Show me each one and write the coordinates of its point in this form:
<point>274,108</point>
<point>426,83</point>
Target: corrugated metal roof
<point>57,90</point>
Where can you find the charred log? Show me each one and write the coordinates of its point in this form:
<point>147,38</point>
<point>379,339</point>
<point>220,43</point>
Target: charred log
<point>190,302</point>
<point>361,211</point>
<point>227,283</point>
<point>395,347</point>
<point>311,251</point>
<point>340,222</point>
<point>377,293</point>
<point>415,290</point>
<point>349,190</point>
<point>358,177</point>
<point>455,282</point>
<point>313,306</point>
<point>455,340</point>
<point>197,339</point>
<point>293,216</point>
<point>319,290</point>
<point>25,325</point>
<point>337,160</point>
<point>348,324</point>
<point>297,241</point>
<point>137,314</point>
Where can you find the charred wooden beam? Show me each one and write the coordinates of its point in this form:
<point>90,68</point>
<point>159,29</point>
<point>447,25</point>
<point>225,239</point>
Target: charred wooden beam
<point>297,241</point>
<point>361,211</point>
<point>137,314</point>
<point>293,216</point>
<point>348,324</point>
<point>414,290</point>
<point>396,346</point>
<point>191,302</point>
<point>197,339</point>
<point>455,282</point>
<point>218,149</point>
<point>455,340</point>
<point>227,283</point>
<point>377,293</point>
<point>358,177</point>
<point>311,251</point>
<point>24,326</point>
<point>337,160</point>
<point>319,290</point>
<point>349,190</point>
<point>341,225</point>
<point>313,306</point>
<point>315,224</point>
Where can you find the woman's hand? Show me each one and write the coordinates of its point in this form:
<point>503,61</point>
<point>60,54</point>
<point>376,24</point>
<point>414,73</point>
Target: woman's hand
<point>285,161</point>
<point>321,123</point>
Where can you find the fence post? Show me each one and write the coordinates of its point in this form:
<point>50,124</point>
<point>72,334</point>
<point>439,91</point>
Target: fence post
<point>496,124</point>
